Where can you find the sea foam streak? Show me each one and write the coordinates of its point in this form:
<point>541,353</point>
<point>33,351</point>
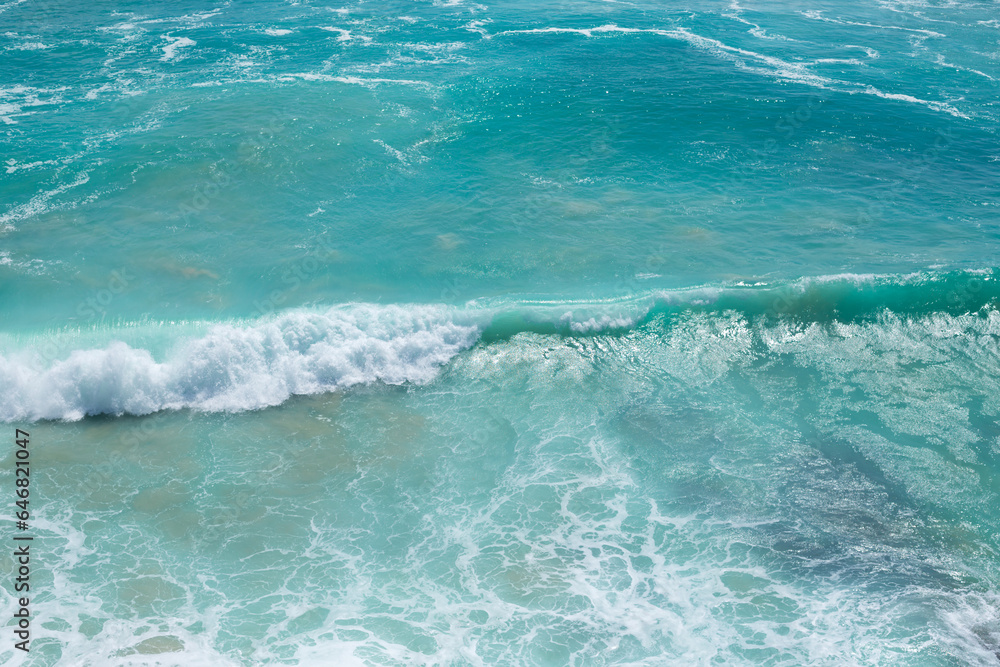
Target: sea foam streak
<point>797,72</point>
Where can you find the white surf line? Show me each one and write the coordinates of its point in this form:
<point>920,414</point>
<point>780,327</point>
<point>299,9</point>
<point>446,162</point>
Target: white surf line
<point>797,72</point>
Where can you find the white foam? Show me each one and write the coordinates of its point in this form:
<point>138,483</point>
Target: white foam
<point>29,46</point>
<point>119,641</point>
<point>15,98</point>
<point>358,80</point>
<point>176,43</point>
<point>344,35</point>
<point>595,324</point>
<point>347,35</point>
<point>256,364</point>
<point>277,32</point>
<point>31,266</point>
<point>870,52</point>
<point>406,158</point>
<point>761,33</point>
<point>234,368</point>
<point>7,6</point>
<point>198,18</point>
<point>369,82</point>
<point>13,165</point>
<point>943,63</point>
<point>839,61</point>
<point>477,26</point>
<point>40,202</point>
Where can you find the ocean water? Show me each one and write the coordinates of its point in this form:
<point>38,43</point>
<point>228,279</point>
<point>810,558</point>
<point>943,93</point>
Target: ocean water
<point>551,333</point>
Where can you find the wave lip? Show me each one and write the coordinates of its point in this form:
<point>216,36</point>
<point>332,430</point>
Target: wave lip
<point>235,368</point>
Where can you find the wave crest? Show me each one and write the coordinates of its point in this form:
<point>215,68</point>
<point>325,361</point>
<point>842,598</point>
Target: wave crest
<point>241,368</point>
<point>252,365</point>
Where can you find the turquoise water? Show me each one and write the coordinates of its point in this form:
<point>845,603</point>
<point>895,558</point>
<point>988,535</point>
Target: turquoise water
<point>565,333</point>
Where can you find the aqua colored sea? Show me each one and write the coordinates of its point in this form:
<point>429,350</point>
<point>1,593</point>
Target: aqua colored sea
<point>543,333</point>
